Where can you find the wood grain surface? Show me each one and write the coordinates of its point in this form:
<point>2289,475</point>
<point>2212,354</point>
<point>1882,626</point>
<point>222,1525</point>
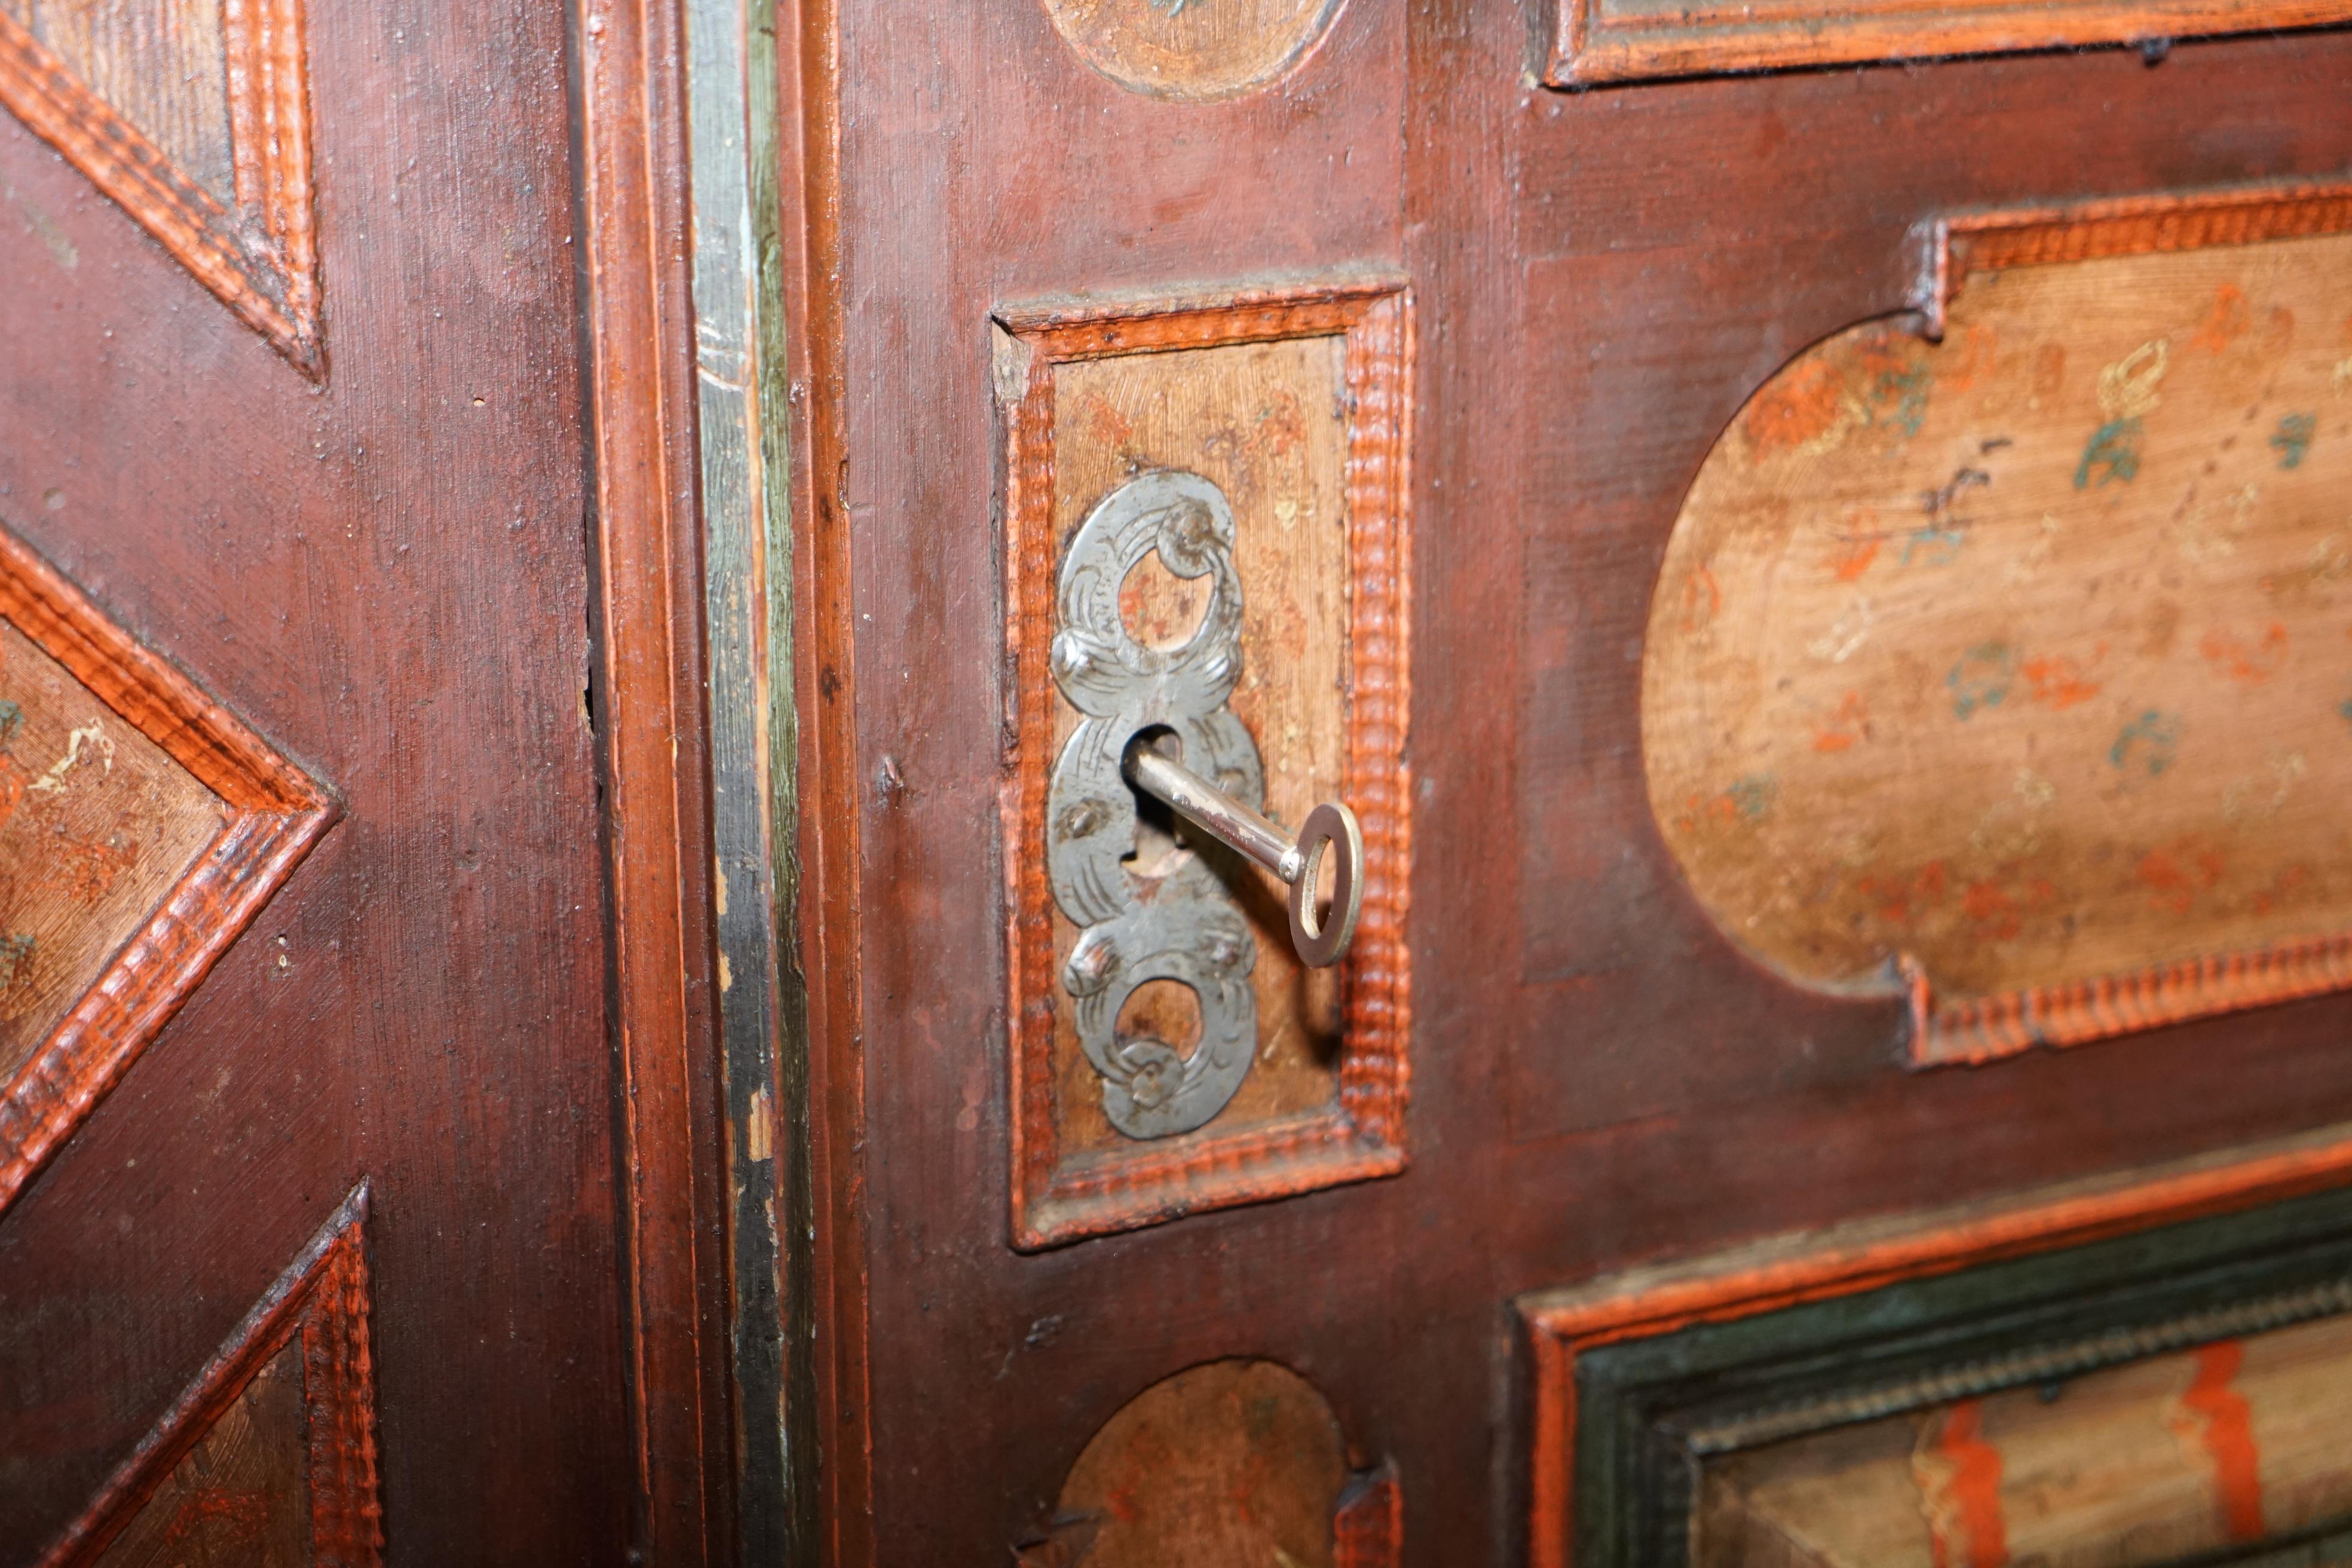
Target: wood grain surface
<point>2152,1462</point>
<point>242,1493</point>
<point>96,822</point>
<point>2007,665</point>
<point>269,1454</point>
<point>387,577</point>
<point>1165,375</point>
<point>1596,41</point>
<point>1599,1077</point>
<point>1267,424</point>
<point>163,67</point>
<point>1237,1461</point>
<point>133,97</point>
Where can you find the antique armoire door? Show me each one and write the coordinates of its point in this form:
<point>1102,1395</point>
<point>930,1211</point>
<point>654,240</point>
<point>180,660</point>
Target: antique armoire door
<point>1812,539</point>
<point>317,1241</point>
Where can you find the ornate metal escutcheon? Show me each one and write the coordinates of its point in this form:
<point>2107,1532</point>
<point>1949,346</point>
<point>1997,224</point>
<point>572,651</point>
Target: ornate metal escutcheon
<point>1183,926</point>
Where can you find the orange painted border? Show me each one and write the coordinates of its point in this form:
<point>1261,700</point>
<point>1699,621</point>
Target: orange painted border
<point>323,1298</point>
<point>262,260</point>
<point>1055,1198</point>
<point>1589,48</point>
<point>276,812</point>
<point>1767,1276</point>
<point>1973,1029</point>
<point>1959,243</point>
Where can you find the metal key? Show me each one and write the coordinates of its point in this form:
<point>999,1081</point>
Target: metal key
<point>1330,828</point>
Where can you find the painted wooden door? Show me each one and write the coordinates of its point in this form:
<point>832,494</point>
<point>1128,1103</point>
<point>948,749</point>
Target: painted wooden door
<point>1811,539</point>
<point>308,1230</point>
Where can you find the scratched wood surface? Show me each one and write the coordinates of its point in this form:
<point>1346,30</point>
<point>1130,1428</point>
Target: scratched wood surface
<point>386,576</point>
<point>241,1495</point>
<point>96,824</point>
<point>1268,423</point>
<point>2023,655</point>
<point>2152,1462</point>
<point>1237,1461</point>
<point>1186,49</point>
<point>161,64</point>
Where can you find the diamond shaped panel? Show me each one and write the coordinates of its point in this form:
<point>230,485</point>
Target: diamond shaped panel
<point>141,827</point>
<point>194,116</point>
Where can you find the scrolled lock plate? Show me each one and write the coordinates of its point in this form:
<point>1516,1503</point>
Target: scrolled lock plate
<point>1184,926</point>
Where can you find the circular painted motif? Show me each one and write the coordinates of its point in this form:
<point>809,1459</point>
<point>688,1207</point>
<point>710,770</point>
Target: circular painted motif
<point>1191,49</point>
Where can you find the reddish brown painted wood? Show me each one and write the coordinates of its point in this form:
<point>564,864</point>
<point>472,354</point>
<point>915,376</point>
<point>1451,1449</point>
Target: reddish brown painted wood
<point>833,1465</point>
<point>658,834</point>
<point>276,813</point>
<point>387,577</point>
<point>1602,279</point>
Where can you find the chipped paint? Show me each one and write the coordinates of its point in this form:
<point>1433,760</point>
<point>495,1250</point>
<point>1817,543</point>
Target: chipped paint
<point>92,734</point>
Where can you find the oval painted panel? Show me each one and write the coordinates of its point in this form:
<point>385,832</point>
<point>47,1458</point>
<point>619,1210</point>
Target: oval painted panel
<point>2016,669</point>
<point>1191,49</point>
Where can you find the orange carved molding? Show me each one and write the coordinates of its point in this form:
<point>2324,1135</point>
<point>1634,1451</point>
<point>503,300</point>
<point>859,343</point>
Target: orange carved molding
<point>321,1303</point>
<point>1600,41</point>
<point>1059,1195</point>
<point>275,813</point>
<point>1559,1325</point>
<point>1990,241</point>
<point>260,258</point>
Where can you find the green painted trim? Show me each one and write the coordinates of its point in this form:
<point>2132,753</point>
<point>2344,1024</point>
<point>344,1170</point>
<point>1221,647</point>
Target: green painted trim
<point>740,396</point>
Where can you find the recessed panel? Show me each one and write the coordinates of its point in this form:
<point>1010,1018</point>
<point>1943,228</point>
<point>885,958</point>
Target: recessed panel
<point>161,64</point>
<point>96,822</point>
<point>1172,1052</point>
<point>1191,49</point>
<point>193,116</point>
<point>2015,669</point>
<point>1233,1462</point>
<point>1267,424</point>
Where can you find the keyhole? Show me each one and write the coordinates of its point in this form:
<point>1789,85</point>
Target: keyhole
<point>1161,609</point>
<point>1168,1011</point>
<point>1158,831</point>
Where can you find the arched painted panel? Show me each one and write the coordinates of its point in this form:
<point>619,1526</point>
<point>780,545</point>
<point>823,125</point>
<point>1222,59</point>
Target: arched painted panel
<point>2016,668</point>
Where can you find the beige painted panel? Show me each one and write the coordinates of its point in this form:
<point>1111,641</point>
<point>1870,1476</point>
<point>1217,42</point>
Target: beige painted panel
<point>96,823</point>
<point>2027,654</point>
<point>2141,1464</point>
<point>1268,423</point>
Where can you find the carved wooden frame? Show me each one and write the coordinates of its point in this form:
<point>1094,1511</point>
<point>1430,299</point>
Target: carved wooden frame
<point>1976,1029</point>
<point>1362,1135</point>
<point>1586,47</point>
<point>323,1297</point>
<point>1558,1325</point>
<point>262,260</point>
<point>276,813</point>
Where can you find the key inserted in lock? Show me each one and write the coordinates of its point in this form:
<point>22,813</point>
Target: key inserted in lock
<point>1330,828</point>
